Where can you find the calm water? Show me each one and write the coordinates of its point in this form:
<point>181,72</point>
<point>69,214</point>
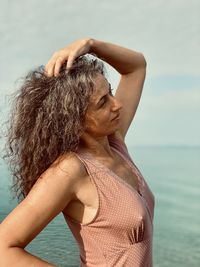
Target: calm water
<point>173,173</point>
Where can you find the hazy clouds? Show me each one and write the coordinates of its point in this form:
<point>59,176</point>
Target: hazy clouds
<point>166,32</point>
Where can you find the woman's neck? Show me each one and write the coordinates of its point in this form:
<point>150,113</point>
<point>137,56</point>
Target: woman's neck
<point>98,146</point>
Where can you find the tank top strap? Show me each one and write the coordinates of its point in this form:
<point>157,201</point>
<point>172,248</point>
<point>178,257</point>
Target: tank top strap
<point>123,150</point>
<point>88,163</point>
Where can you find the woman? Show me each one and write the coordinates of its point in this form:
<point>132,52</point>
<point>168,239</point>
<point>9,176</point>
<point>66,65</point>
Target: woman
<point>68,155</point>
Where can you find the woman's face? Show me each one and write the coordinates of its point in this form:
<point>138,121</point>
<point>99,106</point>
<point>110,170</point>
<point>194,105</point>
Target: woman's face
<point>102,110</point>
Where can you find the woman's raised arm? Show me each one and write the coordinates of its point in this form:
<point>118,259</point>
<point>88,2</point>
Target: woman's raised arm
<point>130,64</point>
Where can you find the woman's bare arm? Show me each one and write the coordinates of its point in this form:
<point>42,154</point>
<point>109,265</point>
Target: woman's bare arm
<point>48,197</point>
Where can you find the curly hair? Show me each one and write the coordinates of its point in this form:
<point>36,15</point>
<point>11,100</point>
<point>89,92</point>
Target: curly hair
<point>47,120</point>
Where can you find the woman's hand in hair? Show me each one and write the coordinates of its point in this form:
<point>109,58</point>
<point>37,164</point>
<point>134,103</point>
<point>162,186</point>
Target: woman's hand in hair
<point>69,54</point>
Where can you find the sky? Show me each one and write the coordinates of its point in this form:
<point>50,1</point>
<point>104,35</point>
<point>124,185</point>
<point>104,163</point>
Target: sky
<point>166,32</point>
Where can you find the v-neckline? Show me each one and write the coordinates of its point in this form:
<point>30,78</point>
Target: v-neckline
<point>139,190</point>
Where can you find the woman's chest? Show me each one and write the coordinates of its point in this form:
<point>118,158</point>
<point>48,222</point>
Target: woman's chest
<point>84,208</point>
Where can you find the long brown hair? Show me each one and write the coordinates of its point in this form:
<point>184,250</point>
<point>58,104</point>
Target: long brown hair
<point>47,119</point>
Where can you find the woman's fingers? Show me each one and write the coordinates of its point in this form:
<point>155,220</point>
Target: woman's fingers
<point>49,68</point>
<point>70,61</point>
<point>69,54</point>
<point>58,65</point>
<point>53,66</point>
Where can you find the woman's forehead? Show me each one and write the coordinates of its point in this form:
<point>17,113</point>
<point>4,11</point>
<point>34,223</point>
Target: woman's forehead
<point>100,81</point>
<point>101,86</point>
<point>100,89</point>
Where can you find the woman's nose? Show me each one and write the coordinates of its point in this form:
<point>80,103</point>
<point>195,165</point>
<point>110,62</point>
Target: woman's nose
<point>116,104</point>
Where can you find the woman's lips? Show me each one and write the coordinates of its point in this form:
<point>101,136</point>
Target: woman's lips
<point>116,117</point>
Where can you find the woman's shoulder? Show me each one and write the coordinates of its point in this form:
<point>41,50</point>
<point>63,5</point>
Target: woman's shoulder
<point>67,169</point>
<point>69,164</point>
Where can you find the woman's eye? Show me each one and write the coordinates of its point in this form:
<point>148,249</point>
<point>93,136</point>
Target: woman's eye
<point>103,103</point>
<point>106,97</point>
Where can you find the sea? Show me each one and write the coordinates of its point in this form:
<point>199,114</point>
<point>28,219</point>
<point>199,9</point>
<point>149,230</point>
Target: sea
<point>173,174</point>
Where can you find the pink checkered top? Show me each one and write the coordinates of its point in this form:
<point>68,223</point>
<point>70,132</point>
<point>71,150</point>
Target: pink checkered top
<point>120,234</point>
